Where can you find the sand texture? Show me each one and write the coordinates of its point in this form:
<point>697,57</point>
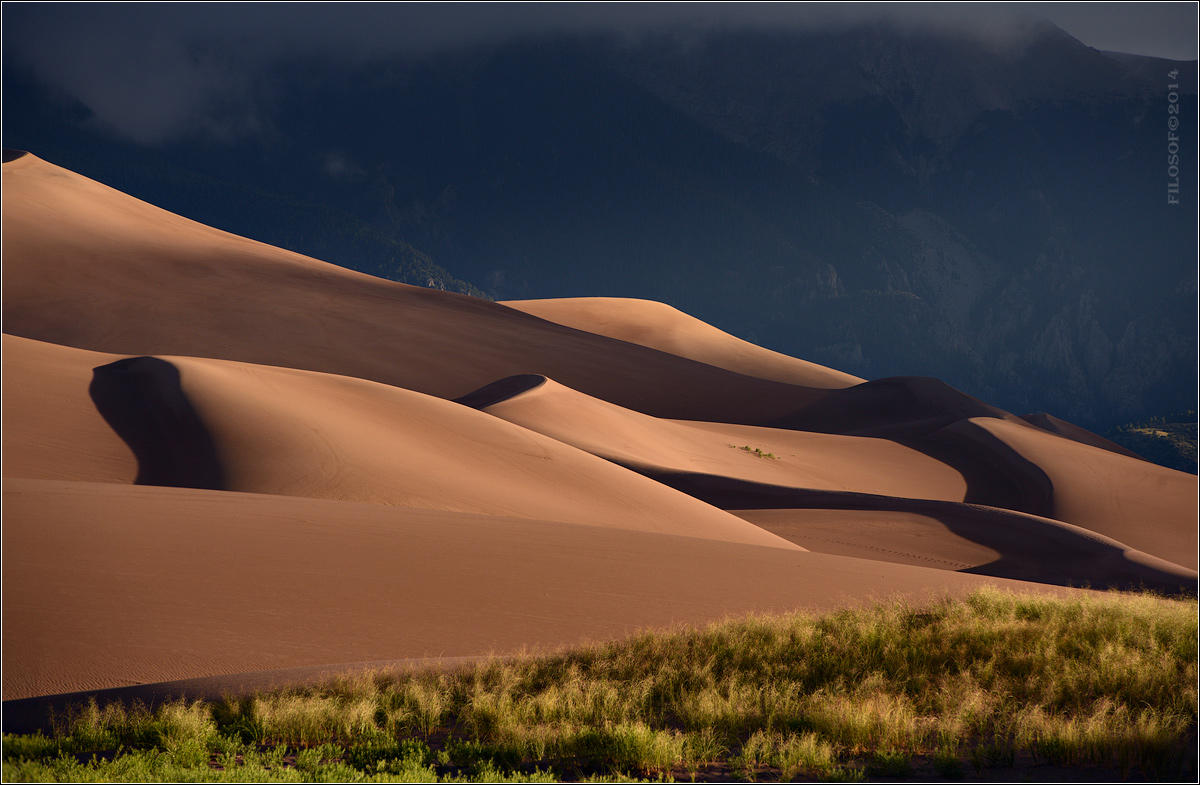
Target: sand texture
<point>225,463</point>
<point>659,326</point>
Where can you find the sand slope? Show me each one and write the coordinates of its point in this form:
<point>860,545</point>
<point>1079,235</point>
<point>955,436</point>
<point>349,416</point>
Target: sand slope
<point>52,429</point>
<point>659,326</point>
<point>221,457</point>
<point>1139,503</point>
<point>90,267</point>
<point>980,540</point>
<point>799,459</point>
<point>222,425</point>
<point>231,582</point>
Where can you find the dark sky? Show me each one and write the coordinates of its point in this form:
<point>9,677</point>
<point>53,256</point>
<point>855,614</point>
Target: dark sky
<point>150,70</point>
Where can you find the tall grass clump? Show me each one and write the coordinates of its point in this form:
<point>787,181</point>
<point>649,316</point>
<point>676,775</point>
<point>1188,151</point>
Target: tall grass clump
<point>1104,680</point>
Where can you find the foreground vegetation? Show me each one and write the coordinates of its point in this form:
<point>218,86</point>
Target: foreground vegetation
<point>942,691</point>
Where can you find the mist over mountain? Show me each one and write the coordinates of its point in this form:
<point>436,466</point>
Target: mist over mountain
<point>880,199</point>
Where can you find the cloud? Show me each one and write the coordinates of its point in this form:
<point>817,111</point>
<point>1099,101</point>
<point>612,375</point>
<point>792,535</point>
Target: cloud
<point>1156,29</point>
<point>145,76</point>
<point>155,71</point>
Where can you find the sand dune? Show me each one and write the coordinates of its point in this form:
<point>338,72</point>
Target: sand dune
<point>866,483</point>
<point>1143,505</point>
<point>980,540</point>
<point>797,458</point>
<point>1048,422</point>
<point>221,458</point>
<point>659,326</point>
<point>52,429</point>
<point>233,426</point>
<point>152,584</point>
<point>129,278</point>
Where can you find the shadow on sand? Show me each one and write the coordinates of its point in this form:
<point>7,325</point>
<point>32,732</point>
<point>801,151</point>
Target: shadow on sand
<point>142,400</point>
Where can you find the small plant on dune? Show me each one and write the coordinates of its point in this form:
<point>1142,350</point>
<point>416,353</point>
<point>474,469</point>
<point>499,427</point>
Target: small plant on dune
<point>756,451</point>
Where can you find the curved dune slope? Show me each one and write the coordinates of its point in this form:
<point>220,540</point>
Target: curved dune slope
<point>52,430</point>
<point>981,540</point>
<point>222,457</point>
<point>798,459</point>
<point>152,584</point>
<point>1144,505</point>
<point>90,267</point>
<point>217,424</point>
<point>874,488</point>
<point>1051,424</point>
<point>659,326</point>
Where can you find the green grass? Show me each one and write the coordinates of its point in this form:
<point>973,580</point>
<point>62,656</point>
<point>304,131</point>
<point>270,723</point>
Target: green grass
<point>885,691</point>
<point>756,451</point>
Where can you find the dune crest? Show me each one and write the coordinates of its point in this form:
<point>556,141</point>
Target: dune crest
<point>659,326</point>
<point>781,457</point>
<point>1146,506</point>
<point>90,267</point>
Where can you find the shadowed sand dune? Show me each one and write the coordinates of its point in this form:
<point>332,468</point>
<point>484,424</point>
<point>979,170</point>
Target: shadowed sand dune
<point>648,444</point>
<point>667,329</point>
<point>981,540</point>
<point>1143,505</point>
<point>155,584</point>
<point>222,459</point>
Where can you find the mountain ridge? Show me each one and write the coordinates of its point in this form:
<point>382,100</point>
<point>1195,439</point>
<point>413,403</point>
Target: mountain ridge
<point>996,256</point>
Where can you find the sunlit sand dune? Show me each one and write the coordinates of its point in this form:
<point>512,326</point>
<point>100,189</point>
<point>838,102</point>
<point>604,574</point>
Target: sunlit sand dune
<point>780,457</point>
<point>90,267</point>
<point>659,326</point>
<point>221,457</point>
<point>52,429</point>
<point>299,433</point>
<point>857,496</point>
<point>216,424</point>
<point>153,584</point>
<point>1143,505</point>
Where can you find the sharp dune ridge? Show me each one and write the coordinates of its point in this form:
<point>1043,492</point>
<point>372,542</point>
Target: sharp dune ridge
<point>222,459</point>
<point>659,326</point>
<point>799,459</point>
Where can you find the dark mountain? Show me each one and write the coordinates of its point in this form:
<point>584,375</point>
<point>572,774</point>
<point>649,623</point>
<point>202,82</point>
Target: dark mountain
<point>1166,440</point>
<point>883,201</point>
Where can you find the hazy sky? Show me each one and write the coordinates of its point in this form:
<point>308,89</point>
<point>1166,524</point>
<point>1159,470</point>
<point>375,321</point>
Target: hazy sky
<point>149,69</point>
